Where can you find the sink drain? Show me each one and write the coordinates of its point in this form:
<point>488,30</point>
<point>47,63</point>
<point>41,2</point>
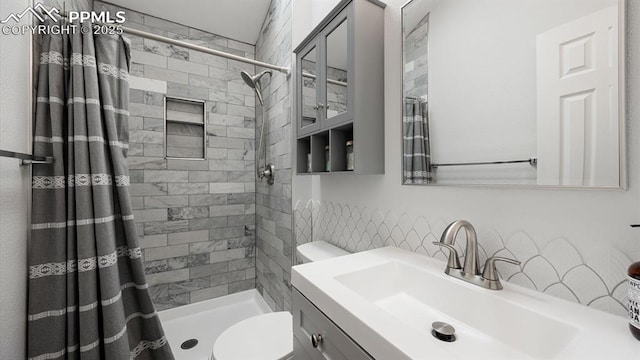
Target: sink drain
<point>443,331</point>
<point>189,344</point>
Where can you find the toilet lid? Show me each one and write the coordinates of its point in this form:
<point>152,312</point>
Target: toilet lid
<point>267,336</point>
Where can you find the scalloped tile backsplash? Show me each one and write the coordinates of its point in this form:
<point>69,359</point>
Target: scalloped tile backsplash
<point>557,268</point>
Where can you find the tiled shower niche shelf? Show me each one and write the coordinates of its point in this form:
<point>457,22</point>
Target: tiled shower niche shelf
<point>185,129</point>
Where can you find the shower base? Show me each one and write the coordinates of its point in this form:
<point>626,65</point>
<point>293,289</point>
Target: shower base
<point>206,320</point>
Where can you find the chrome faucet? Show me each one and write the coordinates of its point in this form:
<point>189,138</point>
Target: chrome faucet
<point>471,253</point>
<point>470,272</point>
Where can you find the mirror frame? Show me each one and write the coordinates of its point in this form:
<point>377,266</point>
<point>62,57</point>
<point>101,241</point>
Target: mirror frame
<point>622,102</point>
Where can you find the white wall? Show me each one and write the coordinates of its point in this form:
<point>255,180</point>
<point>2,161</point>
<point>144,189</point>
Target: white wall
<point>594,221</point>
<point>15,119</point>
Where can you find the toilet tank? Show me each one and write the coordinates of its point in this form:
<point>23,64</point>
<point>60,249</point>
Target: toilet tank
<point>318,250</point>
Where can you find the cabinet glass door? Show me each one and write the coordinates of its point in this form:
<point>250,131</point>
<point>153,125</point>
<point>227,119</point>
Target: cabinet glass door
<point>337,65</point>
<point>309,85</point>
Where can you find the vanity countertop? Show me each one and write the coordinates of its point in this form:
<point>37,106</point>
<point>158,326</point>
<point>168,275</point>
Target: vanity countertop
<point>386,300</point>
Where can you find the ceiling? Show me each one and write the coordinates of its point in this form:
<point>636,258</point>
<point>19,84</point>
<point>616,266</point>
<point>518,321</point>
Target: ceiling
<point>236,19</point>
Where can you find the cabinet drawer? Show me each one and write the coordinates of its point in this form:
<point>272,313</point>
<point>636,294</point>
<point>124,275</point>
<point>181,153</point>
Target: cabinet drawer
<point>335,344</point>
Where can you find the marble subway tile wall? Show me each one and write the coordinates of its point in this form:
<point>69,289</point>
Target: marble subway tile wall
<point>273,202</point>
<point>78,5</point>
<point>195,218</point>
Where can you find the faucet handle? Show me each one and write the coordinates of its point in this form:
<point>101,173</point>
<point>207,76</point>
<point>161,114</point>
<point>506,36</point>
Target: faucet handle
<point>490,273</point>
<point>454,261</point>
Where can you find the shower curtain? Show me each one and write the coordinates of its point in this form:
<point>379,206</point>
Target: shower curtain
<point>88,297</point>
<point>417,154</point>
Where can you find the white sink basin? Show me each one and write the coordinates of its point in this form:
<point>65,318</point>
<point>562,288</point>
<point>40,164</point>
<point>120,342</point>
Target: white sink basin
<point>386,299</point>
<point>407,293</point>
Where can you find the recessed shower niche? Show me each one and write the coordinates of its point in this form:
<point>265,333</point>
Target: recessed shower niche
<point>185,129</point>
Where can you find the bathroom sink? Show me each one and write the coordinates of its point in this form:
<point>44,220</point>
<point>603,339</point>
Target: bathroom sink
<point>479,316</point>
<point>387,299</point>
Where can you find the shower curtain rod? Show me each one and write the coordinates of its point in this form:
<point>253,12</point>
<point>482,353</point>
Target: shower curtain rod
<point>164,39</point>
<point>203,49</point>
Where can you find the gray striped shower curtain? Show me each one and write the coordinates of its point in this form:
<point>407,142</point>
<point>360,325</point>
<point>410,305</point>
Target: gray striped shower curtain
<point>416,150</point>
<point>88,297</point>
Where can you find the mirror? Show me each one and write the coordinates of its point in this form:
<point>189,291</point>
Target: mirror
<point>337,53</point>
<point>519,92</point>
<point>309,88</point>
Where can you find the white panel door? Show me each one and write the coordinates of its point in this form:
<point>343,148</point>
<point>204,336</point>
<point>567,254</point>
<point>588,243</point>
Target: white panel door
<point>577,79</point>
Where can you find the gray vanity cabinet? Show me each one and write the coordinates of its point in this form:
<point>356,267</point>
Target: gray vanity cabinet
<point>340,92</point>
<point>316,337</point>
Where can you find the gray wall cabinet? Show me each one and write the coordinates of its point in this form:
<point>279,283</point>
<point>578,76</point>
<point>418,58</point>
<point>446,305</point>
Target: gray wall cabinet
<point>340,91</point>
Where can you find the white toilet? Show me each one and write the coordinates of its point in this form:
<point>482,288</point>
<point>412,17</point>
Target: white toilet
<point>268,336</point>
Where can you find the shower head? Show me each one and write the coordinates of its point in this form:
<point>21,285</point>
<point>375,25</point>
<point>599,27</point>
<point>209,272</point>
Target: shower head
<point>254,80</point>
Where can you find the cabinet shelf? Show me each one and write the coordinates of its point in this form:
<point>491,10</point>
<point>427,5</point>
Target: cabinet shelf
<point>317,146</point>
<point>338,138</point>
